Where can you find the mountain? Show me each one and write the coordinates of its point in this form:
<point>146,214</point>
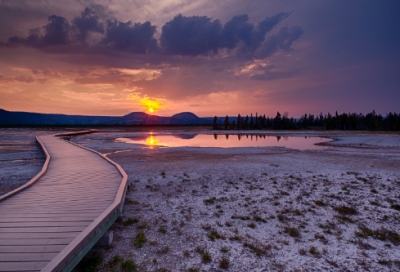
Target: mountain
<point>133,118</point>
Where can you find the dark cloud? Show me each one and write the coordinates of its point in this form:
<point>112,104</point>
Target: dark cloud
<point>88,22</point>
<point>183,35</point>
<point>282,40</point>
<point>193,35</point>
<point>235,30</point>
<point>197,35</point>
<point>56,33</point>
<point>130,37</point>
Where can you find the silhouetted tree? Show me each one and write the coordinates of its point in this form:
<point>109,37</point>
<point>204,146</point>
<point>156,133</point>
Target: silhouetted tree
<point>345,121</point>
<point>251,122</point>
<point>239,122</point>
<point>246,121</point>
<point>215,123</point>
<point>226,123</point>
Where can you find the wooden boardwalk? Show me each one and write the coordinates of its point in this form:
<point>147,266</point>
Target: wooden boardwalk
<point>50,225</point>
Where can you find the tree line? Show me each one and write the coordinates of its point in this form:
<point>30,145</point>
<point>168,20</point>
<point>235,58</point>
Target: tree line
<point>344,121</point>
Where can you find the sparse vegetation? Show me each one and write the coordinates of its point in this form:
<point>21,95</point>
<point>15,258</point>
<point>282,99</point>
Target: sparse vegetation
<point>206,257</point>
<point>294,232</point>
<point>162,230</point>
<point>380,234</point>
<point>346,210</point>
<point>313,250</point>
<point>130,221</point>
<point>224,249</point>
<point>209,201</point>
<point>224,263</point>
<point>396,207</point>
<point>128,265</point>
<point>140,240</point>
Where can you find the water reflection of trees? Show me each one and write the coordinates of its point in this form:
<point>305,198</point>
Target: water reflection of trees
<point>261,136</point>
<point>251,136</point>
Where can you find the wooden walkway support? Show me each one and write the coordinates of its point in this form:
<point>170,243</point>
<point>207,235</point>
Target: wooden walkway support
<point>50,223</point>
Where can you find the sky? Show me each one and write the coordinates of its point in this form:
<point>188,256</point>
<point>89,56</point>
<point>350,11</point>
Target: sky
<point>113,57</point>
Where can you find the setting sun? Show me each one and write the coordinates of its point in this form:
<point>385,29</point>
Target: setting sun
<point>150,105</point>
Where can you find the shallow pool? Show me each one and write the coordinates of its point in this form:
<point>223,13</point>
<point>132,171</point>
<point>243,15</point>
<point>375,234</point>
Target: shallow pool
<point>225,141</point>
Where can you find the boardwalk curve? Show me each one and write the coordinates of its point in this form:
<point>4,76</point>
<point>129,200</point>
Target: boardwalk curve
<point>51,222</point>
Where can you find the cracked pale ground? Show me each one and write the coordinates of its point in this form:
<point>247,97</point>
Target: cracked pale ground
<point>272,209</point>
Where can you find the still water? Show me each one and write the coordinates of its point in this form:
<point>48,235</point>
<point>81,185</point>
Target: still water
<point>225,141</point>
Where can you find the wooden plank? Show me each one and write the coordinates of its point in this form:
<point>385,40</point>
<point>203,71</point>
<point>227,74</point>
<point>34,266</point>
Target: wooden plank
<point>22,266</point>
<point>41,229</point>
<point>50,219</point>
<point>89,216</point>
<point>61,199</point>
<point>67,193</point>
<point>57,211</point>
<point>64,195</point>
<point>38,235</point>
<point>60,211</point>
<point>104,185</point>
<point>69,205</point>
<point>37,242</point>
<point>63,211</point>
<point>27,257</point>
<point>31,249</point>
<point>44,224</point>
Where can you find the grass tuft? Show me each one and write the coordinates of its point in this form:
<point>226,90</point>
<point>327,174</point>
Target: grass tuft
<point>313,250</point>
<point>130,221</point>
<point>224,263</point>
<point>128,265</point>
<point>346,210</point>
<point>140,240</point>
<point>294,232</point>
<point>206,257</point>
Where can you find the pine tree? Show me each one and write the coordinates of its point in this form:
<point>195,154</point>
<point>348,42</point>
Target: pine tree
<point>215,123</point>
<point>226,123</point>
<point>251,122</point>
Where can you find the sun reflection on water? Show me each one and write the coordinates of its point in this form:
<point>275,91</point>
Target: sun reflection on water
<point>151,141</point>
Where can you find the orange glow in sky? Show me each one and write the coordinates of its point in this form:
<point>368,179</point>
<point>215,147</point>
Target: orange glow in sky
<point>151,105</point>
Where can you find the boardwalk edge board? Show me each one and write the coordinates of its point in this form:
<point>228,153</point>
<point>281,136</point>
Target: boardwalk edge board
<point>73,253</point>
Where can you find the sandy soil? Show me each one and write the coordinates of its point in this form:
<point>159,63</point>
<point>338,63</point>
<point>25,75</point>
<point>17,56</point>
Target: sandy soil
<point>262,209</point>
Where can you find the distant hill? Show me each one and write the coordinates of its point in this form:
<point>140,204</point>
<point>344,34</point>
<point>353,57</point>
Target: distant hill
<point>133,118</point>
